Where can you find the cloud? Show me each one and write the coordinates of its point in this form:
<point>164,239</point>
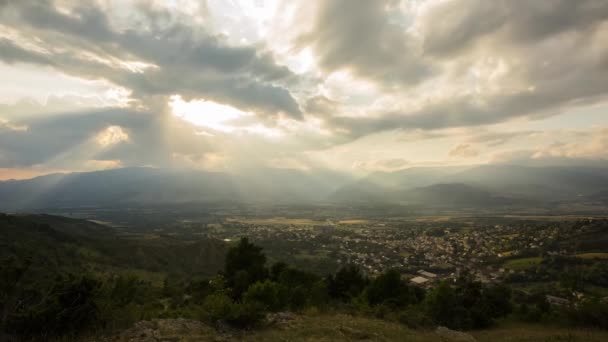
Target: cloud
<point>464,76</point>
<point>464,23</point>
<point>394,163</point>
<point>487,74</point>
<point>68,140</point>
<point>493,139</point>
<point>570,145</point>
<point>112,135</point>
<point>593,145</point>
<point>178,58</point>
<point>359,36</point>
<point>463,151</point>
<point>7,125</point>
<point>321,106</point>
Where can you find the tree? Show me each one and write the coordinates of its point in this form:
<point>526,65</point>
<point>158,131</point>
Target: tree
<point>68,308</point>
<point>347,283</point>
<point>442,305</point>
<point>389,289</point>
<point>245,264</point>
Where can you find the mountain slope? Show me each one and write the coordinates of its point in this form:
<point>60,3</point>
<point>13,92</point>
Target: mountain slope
<point>140,186</point>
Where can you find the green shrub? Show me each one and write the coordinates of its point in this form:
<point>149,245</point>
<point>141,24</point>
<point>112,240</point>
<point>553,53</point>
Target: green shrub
<point>217,307</point>
<point>269,293</point>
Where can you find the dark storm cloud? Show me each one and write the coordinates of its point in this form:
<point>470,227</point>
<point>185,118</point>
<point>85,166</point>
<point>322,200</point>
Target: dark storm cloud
<point>358,35</point>
<point>186,60</point>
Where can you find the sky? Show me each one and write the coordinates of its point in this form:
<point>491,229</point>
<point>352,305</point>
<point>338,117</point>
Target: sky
<point>355,86</point>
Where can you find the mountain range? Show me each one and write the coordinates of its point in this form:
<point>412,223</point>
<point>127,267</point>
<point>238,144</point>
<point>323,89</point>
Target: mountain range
<point>473,186</point>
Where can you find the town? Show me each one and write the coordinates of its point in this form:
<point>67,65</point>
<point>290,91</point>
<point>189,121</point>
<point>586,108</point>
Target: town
<point>424,251</point>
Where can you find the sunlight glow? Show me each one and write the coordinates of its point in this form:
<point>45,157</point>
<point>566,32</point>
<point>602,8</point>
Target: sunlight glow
<point>218,117</point>
<point>111,135</point>
<point>206,113</point>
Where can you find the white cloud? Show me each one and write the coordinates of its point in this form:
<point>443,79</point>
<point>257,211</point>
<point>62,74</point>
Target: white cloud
<point>112,135</point>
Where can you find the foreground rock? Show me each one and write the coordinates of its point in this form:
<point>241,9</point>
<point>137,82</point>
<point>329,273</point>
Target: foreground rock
<point>168,330</point>
<point>450,335</point>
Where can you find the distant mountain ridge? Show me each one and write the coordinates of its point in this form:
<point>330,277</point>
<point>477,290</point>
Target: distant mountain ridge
<point>485,185</point>
<point>143,185</point>
<point>476,186</point>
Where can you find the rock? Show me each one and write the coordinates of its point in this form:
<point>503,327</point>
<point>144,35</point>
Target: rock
<point>280,318</point>
<point>166,330</point>
<point>354,334</point>
<point>454,335</point>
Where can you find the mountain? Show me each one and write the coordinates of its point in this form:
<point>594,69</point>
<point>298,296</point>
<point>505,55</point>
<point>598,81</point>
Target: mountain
<point>140,186</point>
<point>452,194</point>
<point>485,185</point>
<point>473,186</point>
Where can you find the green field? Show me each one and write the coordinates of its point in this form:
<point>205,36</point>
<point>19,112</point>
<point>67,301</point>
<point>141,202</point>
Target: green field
<point>276,221</point>
<point>353,221</point>
<point>592,255</point>
<point>522,263</point>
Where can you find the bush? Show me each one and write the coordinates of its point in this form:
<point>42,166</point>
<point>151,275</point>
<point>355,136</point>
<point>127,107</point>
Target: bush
<point>590,313</point>
<point>271,294</point>
<point>217,307</point>
<point>414,317</point>
<point>247,314</point>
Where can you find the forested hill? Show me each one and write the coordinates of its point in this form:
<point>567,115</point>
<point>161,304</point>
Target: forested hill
<point>63,245</point>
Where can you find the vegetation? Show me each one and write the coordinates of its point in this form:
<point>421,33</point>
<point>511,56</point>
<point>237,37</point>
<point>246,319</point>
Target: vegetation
<point>46,291</point>
<point>522,263</point>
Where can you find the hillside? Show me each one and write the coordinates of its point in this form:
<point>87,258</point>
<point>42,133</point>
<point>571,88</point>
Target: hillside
<point>54,244</point>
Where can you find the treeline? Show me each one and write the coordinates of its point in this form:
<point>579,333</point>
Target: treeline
<point>247,289</point>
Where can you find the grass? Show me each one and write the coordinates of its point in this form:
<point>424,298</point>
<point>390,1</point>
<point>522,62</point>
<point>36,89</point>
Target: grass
<point>506,253</point>
<point>592,255</point>
<point>315,326</point>
<point>517,332</point>
<point>341,327</point>
<point>522,263</point>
